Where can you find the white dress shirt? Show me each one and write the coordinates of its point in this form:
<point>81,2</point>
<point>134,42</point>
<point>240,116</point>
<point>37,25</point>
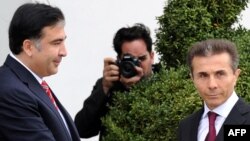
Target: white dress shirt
<point>222,112</point>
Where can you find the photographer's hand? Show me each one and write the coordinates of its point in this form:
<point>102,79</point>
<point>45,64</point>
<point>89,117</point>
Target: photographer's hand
<point>128,82</point>
<point>110,74</point>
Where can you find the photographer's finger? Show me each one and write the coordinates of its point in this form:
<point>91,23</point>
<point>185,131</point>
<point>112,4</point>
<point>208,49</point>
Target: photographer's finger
<point>110,70</point>
<point>113,78</point>
<point>113,67</point>
<point>108,61</point>
<point>140,72</point>
<point>111,75</point>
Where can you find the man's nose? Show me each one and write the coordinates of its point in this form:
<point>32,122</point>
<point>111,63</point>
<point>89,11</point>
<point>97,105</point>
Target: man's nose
<point>63,51</point>
<point>212,83</point>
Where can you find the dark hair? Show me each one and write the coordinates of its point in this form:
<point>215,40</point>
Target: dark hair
<point>28,22</point>
<point>128,34</point>
<point>211,47</point>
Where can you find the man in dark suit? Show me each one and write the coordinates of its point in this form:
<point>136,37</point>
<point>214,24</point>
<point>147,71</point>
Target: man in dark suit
<point>36,40</point>
<point>214,70</point>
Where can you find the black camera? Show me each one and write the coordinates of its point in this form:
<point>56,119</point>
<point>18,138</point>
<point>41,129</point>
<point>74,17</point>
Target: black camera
<point>127,65</point>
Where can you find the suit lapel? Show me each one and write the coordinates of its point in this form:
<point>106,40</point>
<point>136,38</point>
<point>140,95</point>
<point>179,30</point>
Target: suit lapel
<point>28,79</point>
<point>236,114</point>
<point>235,117</point>
<point>195,126</point>
<point>73,131</point>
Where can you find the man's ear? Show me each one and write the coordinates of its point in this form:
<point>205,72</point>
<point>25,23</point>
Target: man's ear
<point>28,46</point>
<point>237,74</point>
<point>152,57</point>
<point>191,75</point>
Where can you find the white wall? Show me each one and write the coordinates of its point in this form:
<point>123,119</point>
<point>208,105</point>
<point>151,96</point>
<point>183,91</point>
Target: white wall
<point>7,9</point>
<point>245,17</point>
<point>90,27</point>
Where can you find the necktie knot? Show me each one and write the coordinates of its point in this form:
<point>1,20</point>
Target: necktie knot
<point>45,86</point>
<point>212,117</point>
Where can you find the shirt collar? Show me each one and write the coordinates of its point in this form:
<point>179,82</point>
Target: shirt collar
<point>36,76</point>
<point>224,109</point>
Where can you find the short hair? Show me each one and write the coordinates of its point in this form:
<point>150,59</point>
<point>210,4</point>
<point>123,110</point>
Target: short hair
<point>29,20</point>
<point>128,34</point>
<point>211,47</point>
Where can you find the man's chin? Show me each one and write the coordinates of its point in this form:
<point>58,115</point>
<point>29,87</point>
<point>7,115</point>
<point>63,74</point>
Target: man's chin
<point>54,71</point>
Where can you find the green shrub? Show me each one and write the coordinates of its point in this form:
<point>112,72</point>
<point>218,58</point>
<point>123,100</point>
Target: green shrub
<point>153,108</point>
<point>242,41</point>
<point>187,21</point>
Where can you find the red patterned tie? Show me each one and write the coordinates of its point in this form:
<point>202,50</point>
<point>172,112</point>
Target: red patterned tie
<point>212,132</point>
<point>48,92</point>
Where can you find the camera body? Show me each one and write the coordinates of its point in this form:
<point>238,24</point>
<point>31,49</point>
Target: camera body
<point>127,65</point>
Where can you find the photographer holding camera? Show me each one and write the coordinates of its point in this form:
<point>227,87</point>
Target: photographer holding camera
<point>135,59</point>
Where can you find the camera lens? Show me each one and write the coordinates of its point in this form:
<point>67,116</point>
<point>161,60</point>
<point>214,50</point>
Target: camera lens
<point>127,69</point>
<point>127,65</point>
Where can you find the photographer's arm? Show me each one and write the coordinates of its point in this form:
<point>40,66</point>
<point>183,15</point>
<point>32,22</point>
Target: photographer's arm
<point>88,119</point>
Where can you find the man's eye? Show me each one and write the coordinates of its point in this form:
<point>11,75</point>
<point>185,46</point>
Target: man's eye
<point>202,75</point>
<point>220,74</point>
<point>56,43</point>
<point>142,58</point>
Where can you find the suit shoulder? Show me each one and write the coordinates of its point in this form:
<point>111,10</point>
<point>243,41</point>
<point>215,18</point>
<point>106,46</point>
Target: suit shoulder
<point>192,117</point>
<point>8,79</point>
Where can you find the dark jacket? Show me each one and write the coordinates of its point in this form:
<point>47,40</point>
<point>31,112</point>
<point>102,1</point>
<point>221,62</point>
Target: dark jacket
<point>88,119</point>
<point>26,112</point>
<point>188,128</point>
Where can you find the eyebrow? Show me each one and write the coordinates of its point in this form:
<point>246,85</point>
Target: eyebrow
<point>59,39</point>
<point>218,71</point>
<point>142,56</point>
<point>202,72</point>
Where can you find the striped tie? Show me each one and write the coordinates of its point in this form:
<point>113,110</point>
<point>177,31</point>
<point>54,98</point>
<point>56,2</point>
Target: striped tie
<point>48,92</point>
